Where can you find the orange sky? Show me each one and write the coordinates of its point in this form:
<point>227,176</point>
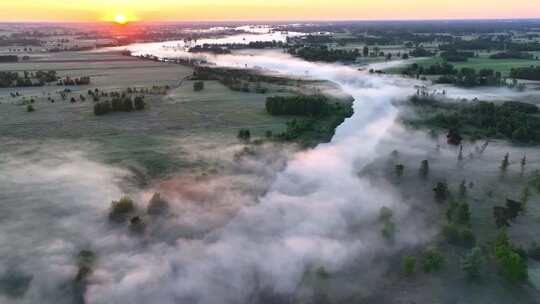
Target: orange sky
<point>203,10</point>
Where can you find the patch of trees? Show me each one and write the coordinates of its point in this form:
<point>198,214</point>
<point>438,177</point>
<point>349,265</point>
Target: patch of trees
<point>68,81</point>
<point>209,48</point>
<point>125,104</point>
<point>529,73</point>
<point>455,56</point>
<point>27,79</point>
<point>238,79</point>
<point>421,52</point>
<point>486,119</point>
<point>434,69</point>
<point>297,105</point>
<point>9,58</point>
<point>512,120</point>
<point>469,77</point>
<point>512,55</point>
<point>323,53</point>
<point>314,130</point>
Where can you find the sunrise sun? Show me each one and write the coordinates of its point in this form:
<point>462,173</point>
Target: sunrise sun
<point>120,19</point>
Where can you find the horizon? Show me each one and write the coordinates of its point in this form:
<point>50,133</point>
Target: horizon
<point>241,10</point>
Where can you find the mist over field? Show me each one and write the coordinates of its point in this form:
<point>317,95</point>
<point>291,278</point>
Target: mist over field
<point>250,222</point>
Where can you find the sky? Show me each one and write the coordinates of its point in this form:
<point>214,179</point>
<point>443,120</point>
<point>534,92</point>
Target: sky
<point>264,10</point>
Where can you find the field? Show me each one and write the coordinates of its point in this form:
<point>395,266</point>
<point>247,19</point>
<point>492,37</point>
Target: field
<point>153,139</point>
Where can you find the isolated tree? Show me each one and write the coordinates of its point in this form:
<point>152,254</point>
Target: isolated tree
<point>463,189</point>
<point>522,163</point>
<point>525,194</point>
<point>365,51</point>
<point>139,103</point>
<point>244,135</point>
<point>505,163</point>
<point>198,86</point>
<point>512,265</point>
<point>441,191</point>
<point>424,168</point>
<point>433,260</point>
<point>472,262</point>
<point>30,108</point>
<point>463,214</point>
<point>399,170</point>
<point>408,265</point>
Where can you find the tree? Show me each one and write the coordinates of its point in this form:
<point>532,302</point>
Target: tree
<point>462,189</point>
<point>139,103</point>
<point>441,192</point>
<point>399,170</point>
<point>424,168</point>
<point>244,135</point>
<point>512,265</point>
<point>30,108</point>
<point>408,265</point>
<point>472,262</point>
<point>505,163</point>
<point>525,194</point>
<point>198,86</point>
<point>522,163</point>
<point>433,260</point>
<point>463,214</point>
<point>121,209</point>
<point>157,205</point>
<point>365,51</point>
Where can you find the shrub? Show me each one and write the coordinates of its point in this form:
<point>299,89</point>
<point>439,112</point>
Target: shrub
<point>198,86</point>
<point>409,265</point>
<point>121,209</point>
<point>472,262</point>
<point>433,260</point>
<point>157,205</point>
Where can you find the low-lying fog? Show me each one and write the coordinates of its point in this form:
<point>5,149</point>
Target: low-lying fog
<point>229,238</point>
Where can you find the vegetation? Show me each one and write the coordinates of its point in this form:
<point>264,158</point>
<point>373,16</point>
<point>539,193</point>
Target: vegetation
<point>157,205</point>
<point>530,73</point>
<point>121,209</point>
<point>511,120</point>
<point>198,86</point>
<point>298,105</point>
<point>512,265</point>
<point>409,265</point>
<point>323,53</point>
<point>124,104</point>
<point>472,262</point>
<point>432,260</point>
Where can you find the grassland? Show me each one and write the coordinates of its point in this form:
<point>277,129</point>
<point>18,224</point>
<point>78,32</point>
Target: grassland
<point>158,140</point>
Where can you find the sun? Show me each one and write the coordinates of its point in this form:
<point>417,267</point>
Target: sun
<point>120,19</point>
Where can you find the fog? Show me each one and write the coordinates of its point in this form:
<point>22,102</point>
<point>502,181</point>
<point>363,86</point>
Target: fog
<point>251,233</point>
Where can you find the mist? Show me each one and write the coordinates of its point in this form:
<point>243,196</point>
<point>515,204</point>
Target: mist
<point>253,232</point>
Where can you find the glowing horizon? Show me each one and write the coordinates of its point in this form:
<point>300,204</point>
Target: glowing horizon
<point>258,10</point>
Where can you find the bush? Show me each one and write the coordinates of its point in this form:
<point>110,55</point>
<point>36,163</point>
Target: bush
<point>139,103</point>
<point>157,205</point>
<point>409,265</point>
<point>512,265</point>
<point>198,86</point>
<point>121,209</point>
<point>472,262</point>
<point>433,260</point>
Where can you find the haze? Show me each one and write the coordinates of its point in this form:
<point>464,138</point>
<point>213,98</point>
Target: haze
<point>217,10</point>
